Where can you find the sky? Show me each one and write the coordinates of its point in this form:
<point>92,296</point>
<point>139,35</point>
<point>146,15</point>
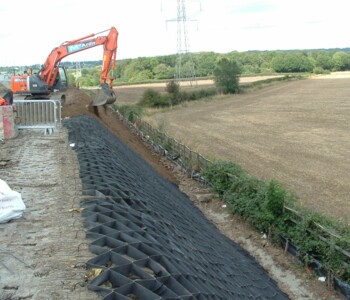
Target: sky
<point>31,29</point>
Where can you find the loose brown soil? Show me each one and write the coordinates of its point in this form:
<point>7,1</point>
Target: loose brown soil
<point>77,103</point>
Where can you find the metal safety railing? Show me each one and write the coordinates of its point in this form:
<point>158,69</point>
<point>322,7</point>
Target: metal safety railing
<point>39,114</point>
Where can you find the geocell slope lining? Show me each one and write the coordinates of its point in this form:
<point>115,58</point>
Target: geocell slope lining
<point>149,238</point>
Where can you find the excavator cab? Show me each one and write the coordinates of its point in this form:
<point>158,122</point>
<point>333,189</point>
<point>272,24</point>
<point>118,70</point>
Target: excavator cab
<point>105,95</point>
<point>62,80</point>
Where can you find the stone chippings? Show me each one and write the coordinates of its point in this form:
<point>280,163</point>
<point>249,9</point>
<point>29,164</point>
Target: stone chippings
<point>42,254</point>
<point>148,237</point>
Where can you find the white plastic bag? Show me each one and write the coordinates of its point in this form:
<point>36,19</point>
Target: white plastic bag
<point>11,204</point>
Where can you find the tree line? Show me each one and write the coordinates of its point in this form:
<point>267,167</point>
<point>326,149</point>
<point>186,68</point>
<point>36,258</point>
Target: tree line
<point>145,69</point>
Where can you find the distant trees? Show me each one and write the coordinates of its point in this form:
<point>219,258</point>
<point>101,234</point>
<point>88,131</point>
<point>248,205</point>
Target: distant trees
<point>324,61</point>
<point>146,69</point>
<point>226,76</point>
<point>90,76</point>
<point>341,61</point>
<point>291,62</point>
<point>205,63</point>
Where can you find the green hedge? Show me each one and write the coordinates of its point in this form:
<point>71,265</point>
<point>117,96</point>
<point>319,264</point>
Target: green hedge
<point>272,209</point>
<point>152,98</point>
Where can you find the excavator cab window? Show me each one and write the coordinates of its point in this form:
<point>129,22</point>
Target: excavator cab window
<point>62,82</point>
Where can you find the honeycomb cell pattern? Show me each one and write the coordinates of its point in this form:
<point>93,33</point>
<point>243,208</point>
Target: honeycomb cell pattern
<point>150,240</point>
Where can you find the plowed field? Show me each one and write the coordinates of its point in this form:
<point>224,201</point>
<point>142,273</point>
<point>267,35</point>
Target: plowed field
<point>296,132</point>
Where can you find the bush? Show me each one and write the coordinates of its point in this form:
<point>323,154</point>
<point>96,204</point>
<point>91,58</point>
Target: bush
<point>222,175</point>
<point>172,87</point>
<point>319,70</point>
<point>152,98</point>
<point>265,205</point>
<point>131,112</point>
<point>259,202</point>
<point>226,76</point>
<point>275,197</point>
<point>192,95</point>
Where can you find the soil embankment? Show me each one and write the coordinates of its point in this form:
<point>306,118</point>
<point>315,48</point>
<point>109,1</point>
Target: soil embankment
<point>282,268</point>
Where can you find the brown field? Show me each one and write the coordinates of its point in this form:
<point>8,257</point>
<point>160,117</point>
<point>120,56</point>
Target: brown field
<point>131,94</point>
<point>296,132</point>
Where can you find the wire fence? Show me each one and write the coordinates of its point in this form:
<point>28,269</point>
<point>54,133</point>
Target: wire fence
<point>193,162</point>
<point>190,161</point>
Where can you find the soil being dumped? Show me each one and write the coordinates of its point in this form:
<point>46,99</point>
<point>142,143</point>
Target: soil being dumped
<point>77,104</point>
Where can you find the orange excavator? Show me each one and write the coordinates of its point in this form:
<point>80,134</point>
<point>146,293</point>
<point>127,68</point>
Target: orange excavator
<point>51,81</point>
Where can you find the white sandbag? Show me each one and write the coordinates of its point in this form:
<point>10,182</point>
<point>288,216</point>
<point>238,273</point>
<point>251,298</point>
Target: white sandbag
<point>11,204</point>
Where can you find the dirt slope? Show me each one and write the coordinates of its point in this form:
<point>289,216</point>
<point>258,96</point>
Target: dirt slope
<point>291,278</point>
<point>77,104</point>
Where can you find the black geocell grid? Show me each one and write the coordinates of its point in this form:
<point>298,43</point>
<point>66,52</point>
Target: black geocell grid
<point>150,239</point>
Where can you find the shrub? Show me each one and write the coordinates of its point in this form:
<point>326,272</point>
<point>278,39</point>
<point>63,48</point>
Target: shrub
<point>226,76</point>
<point>131,112</point>
<point>320,70</point>
<point>260,202</point>
<point>275,197</point>
<point>265,205</point>
<point>222,174</point>
<point>152,98</point>
<point>172,87</point>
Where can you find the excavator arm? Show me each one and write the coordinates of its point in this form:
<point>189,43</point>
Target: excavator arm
<point>50,68</point>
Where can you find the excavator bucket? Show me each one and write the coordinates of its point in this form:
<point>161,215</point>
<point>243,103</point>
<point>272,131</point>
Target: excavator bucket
<point>105,95</point>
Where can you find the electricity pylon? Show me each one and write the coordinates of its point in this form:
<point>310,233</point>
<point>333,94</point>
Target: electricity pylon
<point>184,67</point>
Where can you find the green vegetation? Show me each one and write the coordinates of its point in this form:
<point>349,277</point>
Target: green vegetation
<point>262,83</point>
<point>261,203</point>
<point>271,208</point>
<point>131,112</point>
<point>227,82</point>
<point>226,76</point>
<point>173,95</point>
<point>291,62</point>
<point>154,99</point>
<point>160,68</point>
